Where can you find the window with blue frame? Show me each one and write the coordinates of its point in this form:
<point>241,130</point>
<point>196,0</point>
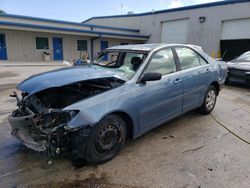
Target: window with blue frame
<point>42,43</point>
<point>82,45</point>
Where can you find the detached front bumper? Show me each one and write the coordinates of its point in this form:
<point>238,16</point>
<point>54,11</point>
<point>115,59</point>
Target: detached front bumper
<point>22,129</point>
<point>239,76</point>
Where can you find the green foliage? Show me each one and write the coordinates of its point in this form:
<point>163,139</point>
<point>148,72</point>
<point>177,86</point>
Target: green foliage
<point>2,12</point>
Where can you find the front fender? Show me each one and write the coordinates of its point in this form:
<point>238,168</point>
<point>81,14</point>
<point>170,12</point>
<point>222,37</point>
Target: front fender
<point>92,110</point>
<point>82,119</point>
<point>90,118</point>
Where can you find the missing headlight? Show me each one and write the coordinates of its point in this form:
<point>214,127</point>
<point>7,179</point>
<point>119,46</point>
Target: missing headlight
<point>73,113</point>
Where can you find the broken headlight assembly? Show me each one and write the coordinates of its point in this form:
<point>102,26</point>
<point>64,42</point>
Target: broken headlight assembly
<point>72,113</point>
<point>63,117</point>
<point>55,119</point>
<point>41,128</point>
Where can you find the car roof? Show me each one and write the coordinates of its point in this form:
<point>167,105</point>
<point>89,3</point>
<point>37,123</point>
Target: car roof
<point>246,53</point>
<point>148,47</point>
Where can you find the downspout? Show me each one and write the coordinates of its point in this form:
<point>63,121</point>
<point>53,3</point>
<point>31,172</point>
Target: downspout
<point>100,36</point>
<point>92,46</point>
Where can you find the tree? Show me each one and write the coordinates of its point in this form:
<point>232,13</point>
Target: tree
<point>2,12</point>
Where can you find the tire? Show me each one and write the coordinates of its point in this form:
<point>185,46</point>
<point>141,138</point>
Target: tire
<point>209,100</point>
<point>106,139</point>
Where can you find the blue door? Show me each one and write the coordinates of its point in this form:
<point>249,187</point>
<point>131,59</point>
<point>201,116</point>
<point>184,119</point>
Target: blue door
<point>159,101</point>
<point>193,78</point>
<point>104,45</point>
<point>3,52</point>
<point>58,48</point>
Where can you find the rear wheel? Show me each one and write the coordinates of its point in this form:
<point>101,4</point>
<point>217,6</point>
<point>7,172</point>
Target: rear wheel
<point>209,100</point>
<point>106,139</point>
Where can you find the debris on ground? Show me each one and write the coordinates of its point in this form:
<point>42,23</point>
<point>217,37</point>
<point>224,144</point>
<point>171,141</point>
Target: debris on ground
<point>167,137</point>
<point>193,149</point>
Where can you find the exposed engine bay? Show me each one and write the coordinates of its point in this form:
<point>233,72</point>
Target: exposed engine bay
<point>41,124</point>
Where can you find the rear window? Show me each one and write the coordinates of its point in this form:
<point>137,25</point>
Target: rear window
<point>188,58</point>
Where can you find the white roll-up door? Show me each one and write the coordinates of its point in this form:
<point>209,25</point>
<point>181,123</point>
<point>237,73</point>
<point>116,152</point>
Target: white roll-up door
<point>175,31</point>
<point>236,29</point>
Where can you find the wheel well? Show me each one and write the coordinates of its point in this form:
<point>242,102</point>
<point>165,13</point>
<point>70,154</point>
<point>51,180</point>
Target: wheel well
<point>217,86</point>
<point>129,123</point>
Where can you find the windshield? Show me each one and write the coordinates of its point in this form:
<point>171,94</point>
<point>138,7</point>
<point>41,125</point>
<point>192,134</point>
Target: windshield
<point>244,57</point>
<point>123,63</point>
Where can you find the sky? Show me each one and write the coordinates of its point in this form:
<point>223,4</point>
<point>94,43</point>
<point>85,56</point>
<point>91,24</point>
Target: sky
<point>80,10</point>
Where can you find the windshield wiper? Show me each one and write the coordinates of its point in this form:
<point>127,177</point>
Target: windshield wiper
<point>92,63</point>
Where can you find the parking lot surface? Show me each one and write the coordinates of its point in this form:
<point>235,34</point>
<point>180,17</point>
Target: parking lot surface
<point>191,151</point>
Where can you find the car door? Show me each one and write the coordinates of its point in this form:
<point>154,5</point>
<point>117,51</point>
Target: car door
<point>162,99</point>
<point>206,74</point>
<point>192,76</point>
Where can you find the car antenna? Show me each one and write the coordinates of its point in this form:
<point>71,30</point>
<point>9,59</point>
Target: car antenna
<point>224,54</point>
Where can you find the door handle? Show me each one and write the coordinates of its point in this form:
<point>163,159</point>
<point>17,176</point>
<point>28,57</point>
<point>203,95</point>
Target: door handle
<point>207,70</point>
<point>177,80</point>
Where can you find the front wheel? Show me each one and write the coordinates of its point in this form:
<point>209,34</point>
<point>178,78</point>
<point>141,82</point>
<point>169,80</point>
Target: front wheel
<point>106,139</point>
<point>209,100</point>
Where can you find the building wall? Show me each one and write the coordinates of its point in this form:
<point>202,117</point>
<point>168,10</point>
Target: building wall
<point>21,45</point>
<point>207,34</point>
<point>111,42</point>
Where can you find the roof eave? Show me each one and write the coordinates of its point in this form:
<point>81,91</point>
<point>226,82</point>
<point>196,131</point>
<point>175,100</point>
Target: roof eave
<point>206,5</point>
<point>90,32</point>
<point>68,22</point>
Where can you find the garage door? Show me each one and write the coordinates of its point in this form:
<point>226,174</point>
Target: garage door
<point>236,29</point>
<point>174,31</point>
<point>235,38</point>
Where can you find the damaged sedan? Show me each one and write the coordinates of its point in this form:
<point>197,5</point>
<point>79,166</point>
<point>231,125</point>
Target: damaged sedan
<point>90,111</point>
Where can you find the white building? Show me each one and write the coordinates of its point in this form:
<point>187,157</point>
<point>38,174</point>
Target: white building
<point>218,27</point>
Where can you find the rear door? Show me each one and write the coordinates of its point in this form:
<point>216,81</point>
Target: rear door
<point>206,74</point>
<point>3,52</point>
<point>160,100</point>
<point>193,76</point>
<point>104,45</point>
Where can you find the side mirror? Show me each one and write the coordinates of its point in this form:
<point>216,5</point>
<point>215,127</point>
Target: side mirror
<point>150,76</point>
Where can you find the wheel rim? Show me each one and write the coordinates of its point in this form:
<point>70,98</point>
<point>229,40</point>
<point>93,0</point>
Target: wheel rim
<point>107,139</point>
<point>210,99</point>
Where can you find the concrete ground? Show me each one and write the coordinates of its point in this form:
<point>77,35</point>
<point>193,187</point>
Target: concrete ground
<point>190,151</point>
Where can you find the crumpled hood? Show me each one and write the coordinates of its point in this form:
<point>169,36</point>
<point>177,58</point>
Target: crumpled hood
<point>62,77</point>
<point>240,65</point>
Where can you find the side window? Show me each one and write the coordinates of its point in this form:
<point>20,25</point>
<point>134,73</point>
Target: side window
<point>188,58</point>
<point>133,61</point>
<point>82,45</point>
<point>129,56</point>
<point>202,61</point>
<point>162,62</point>
<point>42,43</point>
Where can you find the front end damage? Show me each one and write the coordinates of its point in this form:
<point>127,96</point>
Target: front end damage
<point>40,122</point>
<point>41,131</point>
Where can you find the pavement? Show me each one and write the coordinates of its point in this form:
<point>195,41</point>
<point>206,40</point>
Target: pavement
<point>6,63</point>
<point>190,151</point>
